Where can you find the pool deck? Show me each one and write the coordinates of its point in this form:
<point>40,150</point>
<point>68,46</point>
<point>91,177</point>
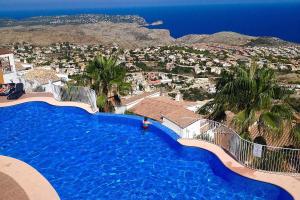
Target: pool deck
<point>10,189</point>
<point>25,181</point>
<point>19,181</point>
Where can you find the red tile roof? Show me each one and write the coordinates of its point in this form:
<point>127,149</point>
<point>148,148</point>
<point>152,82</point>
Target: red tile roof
<point>4,51</point>
<point>126,101</point>
<point>158,107</point>
<point>182,117</point>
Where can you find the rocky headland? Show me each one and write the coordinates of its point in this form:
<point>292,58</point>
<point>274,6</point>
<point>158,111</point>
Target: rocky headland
<point>126,31</point>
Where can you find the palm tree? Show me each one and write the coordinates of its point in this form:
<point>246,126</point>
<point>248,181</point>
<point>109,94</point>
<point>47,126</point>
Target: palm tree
<point>296,132</point>
<point>102,74</point>
<point>254,95</point>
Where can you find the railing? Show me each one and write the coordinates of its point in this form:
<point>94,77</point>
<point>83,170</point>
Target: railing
<point>249,154</point>
<point>75,94</point>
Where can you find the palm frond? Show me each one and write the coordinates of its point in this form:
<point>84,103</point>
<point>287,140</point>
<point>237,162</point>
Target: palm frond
<point>264,100</point>
<point>101,102</point>
<point>271,122</point>
<point>296,132</point>
<point>283,110</point>
<point>206,108</point>
<point>244,119</point>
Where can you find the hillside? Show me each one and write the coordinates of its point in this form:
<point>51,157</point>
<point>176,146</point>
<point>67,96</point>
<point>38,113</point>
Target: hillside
<point>227,38</point>
<point>268,41</point>
<point>127,31</point>
<point>233,39</point>
<point>127,35</point>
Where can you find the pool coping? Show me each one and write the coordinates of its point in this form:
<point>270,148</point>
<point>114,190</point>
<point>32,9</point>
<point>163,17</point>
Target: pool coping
<point>34,184</point>
<point>289,183</point>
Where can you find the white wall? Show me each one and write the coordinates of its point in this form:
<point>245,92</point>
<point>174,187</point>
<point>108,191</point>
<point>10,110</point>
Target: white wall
<point>171,125</point>
<point>11,77</point>
<point>192,130</point>
<point>120,109</point>
<point>187,132</point>
<point>12,62</point>
<point>48,87</point>
<point>166,81</point>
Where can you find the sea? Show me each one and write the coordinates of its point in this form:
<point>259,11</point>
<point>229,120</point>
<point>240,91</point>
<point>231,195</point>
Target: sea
<point>280,20</point>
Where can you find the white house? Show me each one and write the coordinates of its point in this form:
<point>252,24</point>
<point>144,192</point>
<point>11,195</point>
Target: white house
<point>172,114</point>
<point>184,126</point>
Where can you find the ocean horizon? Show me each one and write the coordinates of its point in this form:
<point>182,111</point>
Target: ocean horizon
<point>272,20</point>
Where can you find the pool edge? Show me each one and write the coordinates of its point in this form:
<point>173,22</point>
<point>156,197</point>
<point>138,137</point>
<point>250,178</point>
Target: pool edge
<point>34,184</point>
<point>51,101</point>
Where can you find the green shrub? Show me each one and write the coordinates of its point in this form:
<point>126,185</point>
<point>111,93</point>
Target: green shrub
<point>101,102</point>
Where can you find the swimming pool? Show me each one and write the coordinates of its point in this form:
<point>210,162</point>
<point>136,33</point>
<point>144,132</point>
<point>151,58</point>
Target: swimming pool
<point>105,156</point>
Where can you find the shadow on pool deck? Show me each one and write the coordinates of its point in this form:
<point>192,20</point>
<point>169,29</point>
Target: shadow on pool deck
<point>10,189</point>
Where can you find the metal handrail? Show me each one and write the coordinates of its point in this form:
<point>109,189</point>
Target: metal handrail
<point>250,154</point>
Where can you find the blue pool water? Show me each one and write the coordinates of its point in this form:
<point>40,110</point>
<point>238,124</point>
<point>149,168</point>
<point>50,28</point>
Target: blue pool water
<point>102,156</point>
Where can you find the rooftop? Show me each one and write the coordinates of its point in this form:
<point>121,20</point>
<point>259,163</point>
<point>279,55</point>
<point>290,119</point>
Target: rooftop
<point>129,100</point>
<point>158,107</point>
<point>4,51</point>
<point>43,76</point>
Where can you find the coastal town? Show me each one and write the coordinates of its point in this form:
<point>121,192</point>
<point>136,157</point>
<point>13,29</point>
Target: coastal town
<point>176,69</point>
<point>72,19</point>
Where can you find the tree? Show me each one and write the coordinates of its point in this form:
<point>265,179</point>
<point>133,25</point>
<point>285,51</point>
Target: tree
<point>101,102</point>
<point>254,95</point>
<point>102,74</point>
<point>296,132</point>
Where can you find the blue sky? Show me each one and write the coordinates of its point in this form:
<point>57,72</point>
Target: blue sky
<point>62,4</point>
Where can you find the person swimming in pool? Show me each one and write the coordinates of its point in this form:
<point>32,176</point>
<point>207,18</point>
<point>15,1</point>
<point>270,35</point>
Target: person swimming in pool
<point>146,123</point>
